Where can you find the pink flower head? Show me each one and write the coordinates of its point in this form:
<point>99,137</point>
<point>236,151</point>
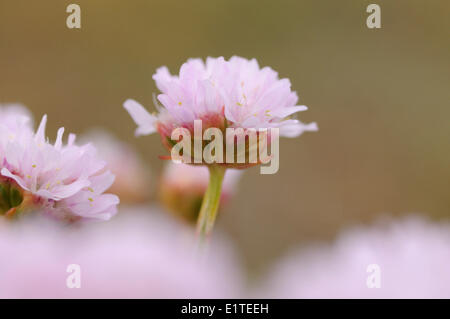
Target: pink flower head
<point>236,93</point>
<point>132,182</point>
<point>14,118</point>
<point>63,180</point>
<point>182,188</point>
<point>137,255</point>
<point>409,258</point>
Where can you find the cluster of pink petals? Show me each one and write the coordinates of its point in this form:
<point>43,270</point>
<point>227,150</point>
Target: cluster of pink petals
<point>237,90</point>
<point>195,178</point>
<point>413,256</point>
<point>15,117</point>
<point>139,254</point>
<point>132,182</point>
<point>67,181</point>
<point>183,186</point>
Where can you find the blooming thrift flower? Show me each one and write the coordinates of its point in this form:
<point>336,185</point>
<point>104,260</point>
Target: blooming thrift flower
<point>411,257</point>
<point>183,186</point>
<point>139,254</point>
<point>235,93</point>
<point>223,95</point>
<point>15,117</point>
<point>132,182</point>
<point>66,181</point>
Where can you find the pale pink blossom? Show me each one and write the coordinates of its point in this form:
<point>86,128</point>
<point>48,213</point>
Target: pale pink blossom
<point>139,254</point>
<point>15,120</point>
<point>411,257</point>
<point>66,181</point>
<point>183,186</point>
<point>15,117</point>
<point>194,177</point>
<point>233,93</point>
<point>132,182</point>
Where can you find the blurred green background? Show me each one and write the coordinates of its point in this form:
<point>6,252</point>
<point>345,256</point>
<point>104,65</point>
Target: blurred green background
<point>380,97</point>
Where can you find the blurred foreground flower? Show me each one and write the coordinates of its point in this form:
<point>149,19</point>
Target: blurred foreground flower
<point>183,186</point>
<point>65,181</point>
<point>136,255</point>
<point>220,95</point>
<point>132,182</point>
<point>411,258</point>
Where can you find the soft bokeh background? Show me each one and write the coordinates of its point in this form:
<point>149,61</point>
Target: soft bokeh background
<point>380,97</point>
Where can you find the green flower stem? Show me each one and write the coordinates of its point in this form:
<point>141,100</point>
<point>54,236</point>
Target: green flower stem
<point>210,204</point>
<point>11,198</point>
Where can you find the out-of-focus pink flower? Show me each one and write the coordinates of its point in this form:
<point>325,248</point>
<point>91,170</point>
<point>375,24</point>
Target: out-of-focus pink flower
<point>133,256</point>
<point>411,257</point>
<point>182,188</point>
<point>65,181</point>
<point>132,183</point>
<point>15,117</point>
